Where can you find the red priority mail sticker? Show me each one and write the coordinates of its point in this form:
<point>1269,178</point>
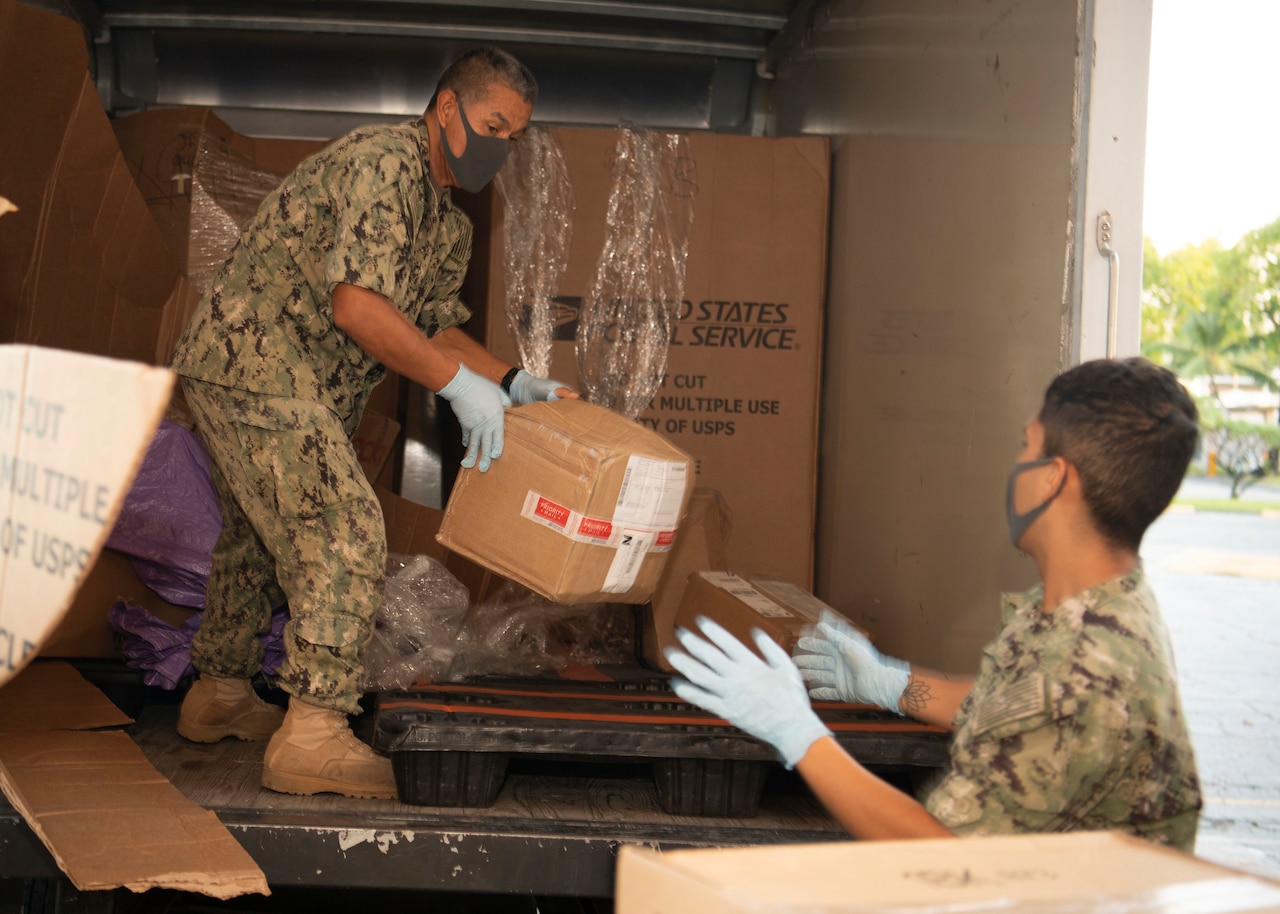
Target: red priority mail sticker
<point>665,540</point>
<point>594,530</point>
<point>547,512</point>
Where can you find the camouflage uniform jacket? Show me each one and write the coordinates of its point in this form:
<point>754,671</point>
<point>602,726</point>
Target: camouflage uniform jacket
<point>1074,723</point>
<point>362,211</point>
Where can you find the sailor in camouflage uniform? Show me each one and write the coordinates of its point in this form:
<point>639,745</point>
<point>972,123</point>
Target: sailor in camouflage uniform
<point>351,267</point>
<point>1073,721</point>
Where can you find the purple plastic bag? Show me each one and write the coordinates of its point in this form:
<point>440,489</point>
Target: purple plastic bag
<point>170,519</point>
<point>164,652</point>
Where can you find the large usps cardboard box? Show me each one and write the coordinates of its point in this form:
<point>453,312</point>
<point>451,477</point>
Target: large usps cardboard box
<point>582,506</point>
<point>1044,874</point>
<point>777,607</point>
<point>741,391</point>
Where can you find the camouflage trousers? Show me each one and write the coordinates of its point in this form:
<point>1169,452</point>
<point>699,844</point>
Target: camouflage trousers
<point>300,523</point>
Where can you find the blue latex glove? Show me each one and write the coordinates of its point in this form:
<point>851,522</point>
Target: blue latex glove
<point>527,388</point>
<point>839,664</point>
<point>478,404</point>
<point>766,698</point>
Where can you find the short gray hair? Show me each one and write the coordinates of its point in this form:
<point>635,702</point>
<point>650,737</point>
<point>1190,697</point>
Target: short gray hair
<point>471,75</point>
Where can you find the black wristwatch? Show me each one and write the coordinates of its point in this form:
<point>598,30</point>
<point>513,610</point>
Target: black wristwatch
<point>507,378</point>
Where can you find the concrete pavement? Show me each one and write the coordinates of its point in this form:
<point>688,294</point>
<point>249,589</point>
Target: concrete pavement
<point>1217,577</point>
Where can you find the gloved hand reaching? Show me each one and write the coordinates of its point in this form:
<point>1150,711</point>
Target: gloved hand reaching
<point>478,403</point>
<point>841,665</point>
<point>527,388</point>
<point>766,698</point>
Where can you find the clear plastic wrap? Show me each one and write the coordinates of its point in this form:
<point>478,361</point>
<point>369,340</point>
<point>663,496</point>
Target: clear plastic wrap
<point>537,232</point>
<point>415,630</point>
<point>631,302</point>
<point>227,188</point>
<point>518,633</point>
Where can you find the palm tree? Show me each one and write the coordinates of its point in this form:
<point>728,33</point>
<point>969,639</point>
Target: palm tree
<point>1212,343</point>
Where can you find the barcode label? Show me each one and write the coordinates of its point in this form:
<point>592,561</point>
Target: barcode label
<point>633,546</point>
<point>652,493</point>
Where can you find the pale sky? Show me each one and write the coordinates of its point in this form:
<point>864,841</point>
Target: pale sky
<point>1213,121</point>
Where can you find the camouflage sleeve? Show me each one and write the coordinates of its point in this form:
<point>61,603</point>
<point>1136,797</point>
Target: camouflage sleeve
<point>1032,758</point>
<point>374,217</point>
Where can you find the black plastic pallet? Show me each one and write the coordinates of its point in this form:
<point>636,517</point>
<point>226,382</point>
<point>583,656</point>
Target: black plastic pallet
<point>450,744</point>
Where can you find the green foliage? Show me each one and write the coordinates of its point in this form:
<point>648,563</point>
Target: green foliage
<point>1209,311</point>
<point>1245,451</point>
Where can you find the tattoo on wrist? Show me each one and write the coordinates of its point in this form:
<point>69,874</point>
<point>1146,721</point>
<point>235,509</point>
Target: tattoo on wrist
<point>915,696</point>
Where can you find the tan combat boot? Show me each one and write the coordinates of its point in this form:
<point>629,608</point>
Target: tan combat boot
<point>316,752</point>
<point>216,707</point>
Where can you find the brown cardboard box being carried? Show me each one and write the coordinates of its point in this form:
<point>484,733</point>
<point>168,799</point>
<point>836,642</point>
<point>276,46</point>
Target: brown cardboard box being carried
<point>582,507</point>
<point>779,608</point>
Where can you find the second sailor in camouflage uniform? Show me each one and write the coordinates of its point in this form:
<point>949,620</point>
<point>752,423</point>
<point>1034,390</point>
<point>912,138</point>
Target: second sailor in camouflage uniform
<point>351,267</point>
<point>1074,720</point>
<point>1074,723</point>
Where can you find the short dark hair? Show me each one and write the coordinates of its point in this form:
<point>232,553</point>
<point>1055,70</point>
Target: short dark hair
<point>471,75</point>
<point>1130,429</point>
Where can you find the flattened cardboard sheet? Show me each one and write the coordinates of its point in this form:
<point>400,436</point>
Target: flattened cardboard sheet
<point>108,817</point>
<point>51,695</point>
<point>112,820</point>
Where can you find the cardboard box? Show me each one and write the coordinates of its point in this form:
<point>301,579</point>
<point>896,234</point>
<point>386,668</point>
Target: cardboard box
<point>582,507</point>
<point>82,264</point>
<point>1044,874</point>
<point>781,609</point>
<point>163,150</point>
<point>699,546</point>
<point>745,361</point>
<point>60,487</point>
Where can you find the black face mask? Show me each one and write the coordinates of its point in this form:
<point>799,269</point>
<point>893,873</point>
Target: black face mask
<point>480,161</point>
<point>1018,523</point>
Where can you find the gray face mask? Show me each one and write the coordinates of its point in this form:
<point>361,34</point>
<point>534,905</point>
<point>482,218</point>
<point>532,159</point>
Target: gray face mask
<point>480,161</point>
<point>1018,523</point>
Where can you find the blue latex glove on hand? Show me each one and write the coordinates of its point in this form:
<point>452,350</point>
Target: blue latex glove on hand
<point>478,403</point>
<point>765,698</point>
<point>527,388</point>
<point>841,665</point>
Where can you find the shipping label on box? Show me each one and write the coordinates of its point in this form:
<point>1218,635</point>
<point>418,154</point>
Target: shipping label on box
<point>582,507</point>
<point>741,389</point>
